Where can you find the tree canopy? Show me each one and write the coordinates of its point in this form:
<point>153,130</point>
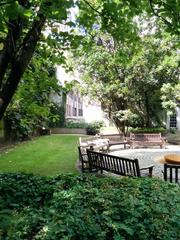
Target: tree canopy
<point>23,21</point>
<point>127,78</point>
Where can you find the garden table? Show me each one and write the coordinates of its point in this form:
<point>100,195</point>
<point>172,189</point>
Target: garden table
<point>169,158</point>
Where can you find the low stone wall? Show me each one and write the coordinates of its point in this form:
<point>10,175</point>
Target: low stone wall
<point>68,131</point>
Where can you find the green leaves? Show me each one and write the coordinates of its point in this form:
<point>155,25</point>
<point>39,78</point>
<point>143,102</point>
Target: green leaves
<point>127,77</point>
<point>87,207</point>
<point>14,10</point>
<point>170,97</point>
<point>168,13</point>
<point>31,107</point>
<point>76,19</point>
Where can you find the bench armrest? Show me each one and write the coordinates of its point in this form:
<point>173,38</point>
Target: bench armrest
<point>150,168</point>
<point>132,138</point>
<point>164,139</point>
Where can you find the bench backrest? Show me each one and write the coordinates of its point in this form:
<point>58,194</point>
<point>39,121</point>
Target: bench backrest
<point>113,137</point>
<point>82,154</point>
<point>118,165</point>
<point>86,139</point>
<point>83,158</point>
<point>172,172</point>
<point>145,136</point>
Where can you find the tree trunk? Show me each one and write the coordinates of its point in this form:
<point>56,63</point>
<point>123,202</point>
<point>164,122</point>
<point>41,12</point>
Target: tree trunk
<point>147,117</point>
<point>8,134</point>
<point>10,42</point>
<point>20,63</point>
<point>8,52</point>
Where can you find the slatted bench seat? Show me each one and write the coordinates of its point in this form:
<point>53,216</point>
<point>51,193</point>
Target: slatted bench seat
<point>146,139</point>
<point>118,165</point>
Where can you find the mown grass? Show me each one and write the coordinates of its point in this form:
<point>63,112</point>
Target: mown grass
<point>47,155</point>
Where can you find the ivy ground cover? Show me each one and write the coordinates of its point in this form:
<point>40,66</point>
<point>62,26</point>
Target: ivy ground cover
<point>87,207</point>
<point>47,155</point>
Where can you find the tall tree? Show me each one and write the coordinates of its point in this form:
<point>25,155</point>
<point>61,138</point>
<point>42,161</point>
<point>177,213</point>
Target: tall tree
<point>127,79</point>
<point>30,108</point>
<point>22,23</point>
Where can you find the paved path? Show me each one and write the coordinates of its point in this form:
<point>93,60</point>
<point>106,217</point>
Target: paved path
<point>148,156</point>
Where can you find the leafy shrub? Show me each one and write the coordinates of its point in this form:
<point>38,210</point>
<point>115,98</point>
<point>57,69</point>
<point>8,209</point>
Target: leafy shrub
<point>148,130</point>
<point>94,127</point>
<point>59,112</point>
<point>75,124</point>
<point>17,125</point>
<point>88,207</point>
<point>173,130</point>
<point>21,122</point>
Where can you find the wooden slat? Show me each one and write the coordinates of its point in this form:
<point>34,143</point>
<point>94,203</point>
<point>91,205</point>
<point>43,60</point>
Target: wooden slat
<point>176,175</point>
<point>114,164</point>
<point>172,172</point>
<point>165,172</point>
<point>131,169</point>
<point>170,176</point>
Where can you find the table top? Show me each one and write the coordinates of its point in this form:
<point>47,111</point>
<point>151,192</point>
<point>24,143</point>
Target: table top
<point>172,158</point>
<point>169,158</point>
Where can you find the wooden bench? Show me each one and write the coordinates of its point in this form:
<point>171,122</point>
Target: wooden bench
<point>83,158</point>
<point>146,139</point>
<point>115,139</point>
<point>118,165</point>
<point>95,142</point>
<point>172,173</point>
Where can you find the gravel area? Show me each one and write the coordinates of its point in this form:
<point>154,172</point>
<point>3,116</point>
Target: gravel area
<point>148,156</point>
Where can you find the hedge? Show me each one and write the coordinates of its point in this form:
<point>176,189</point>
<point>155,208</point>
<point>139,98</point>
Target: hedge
<point>87,207</point>
<point>148,130</point>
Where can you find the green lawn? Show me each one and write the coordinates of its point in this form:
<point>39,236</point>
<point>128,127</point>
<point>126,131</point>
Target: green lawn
<point>47,155</point>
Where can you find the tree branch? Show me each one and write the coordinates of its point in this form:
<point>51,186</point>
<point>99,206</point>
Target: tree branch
<point>94,9</point>
<point>166,5</point>
<point>20,63</point>
<point>157,15</point>
<point>5,3</point>
<point>163,18</point>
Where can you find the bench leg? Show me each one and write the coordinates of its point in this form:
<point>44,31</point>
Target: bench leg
<point>162,145</point>
<point>90,168</point>
<point>150,171</point>
<point>132,146</point>
<point>82,167</point>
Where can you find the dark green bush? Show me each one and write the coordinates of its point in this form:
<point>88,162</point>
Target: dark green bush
<point>94,128</point>
<point>87,207</point>
<point>173,130</point>
<point>59,111</point>
<point>148,130</point>
<point>75,124</point>
<point>17,126</point>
